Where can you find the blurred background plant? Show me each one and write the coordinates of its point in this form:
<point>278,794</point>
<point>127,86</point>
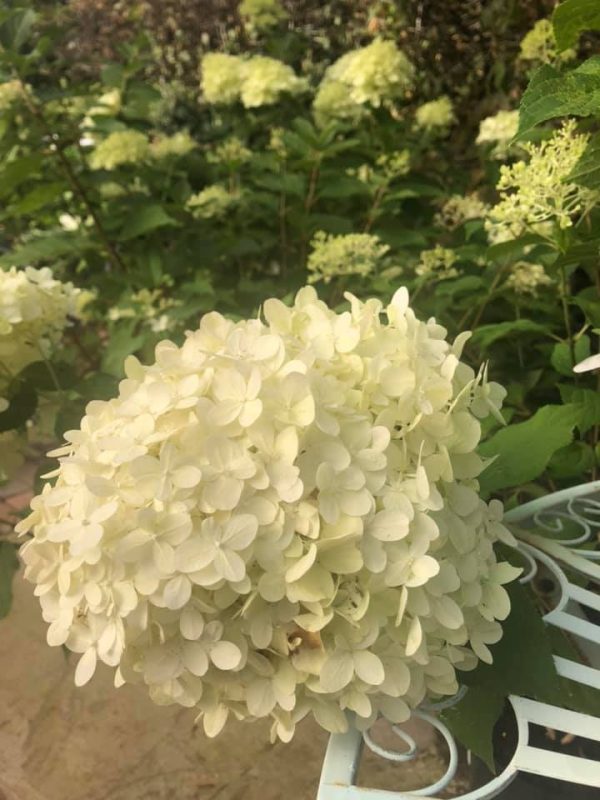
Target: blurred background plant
<point>167,159</point>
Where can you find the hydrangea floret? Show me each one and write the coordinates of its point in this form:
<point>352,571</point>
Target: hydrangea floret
<point>435,116</point>
<point>526,278</point>
<point>221,78</point>
<point>373,75</point>
<point>348,254</point>
<point>232,153</point>
<point>499,129</point>
<point>280,517</point>
<point>538,191</point>
<point>120,147</point>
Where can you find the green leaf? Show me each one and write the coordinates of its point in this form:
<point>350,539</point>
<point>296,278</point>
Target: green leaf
<point>553,94</point>
<point>589,303</point>
<point>17,171</point>
<point>22,405</point>
<point>15,31</point>
<point>486,335</point>
<point>522,659</point>
<point>524,449</point>
<point>342,186</point>
<point>9,563</point>
<point>588,402</point>
<point>472,721</point>
<point>145,219</point>
<point>122,343</point>
<point>38,198</point>
<point>587,170</point>
<point>40,377</point>
<point>46,247</point>
<point>561,355</point>
<point>571,18</point>
<point>572,461</point>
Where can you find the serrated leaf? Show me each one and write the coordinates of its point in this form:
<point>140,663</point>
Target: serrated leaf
<point>9,563</point>
<point>553,94</point>
<point>144,220</point>
<point>572,18</point>
<point>523,450</point>
<point>588,401</point>
<point>486,335</point>
<point>561,358</point>
<point>572,461</point>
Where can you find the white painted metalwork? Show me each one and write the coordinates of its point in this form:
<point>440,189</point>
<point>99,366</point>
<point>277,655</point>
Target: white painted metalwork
<point>566,520</point>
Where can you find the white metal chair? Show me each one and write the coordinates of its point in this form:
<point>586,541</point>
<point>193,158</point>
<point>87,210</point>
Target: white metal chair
<point>573,518</point>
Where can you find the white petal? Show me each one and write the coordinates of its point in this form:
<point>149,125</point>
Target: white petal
<point>225,655</point>
<point>85,667</point>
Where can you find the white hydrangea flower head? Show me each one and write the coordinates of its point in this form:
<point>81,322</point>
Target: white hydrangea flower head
<point>221,78</point>
<point>179,144</point>
<point>436,115</point>
<point>120,147</point>
<point>373,75</point>
<point>34,310</point>
<point>334,102</point>
<point>498,130</point>
<point>212,202</point>
<point>279,518</point>
<point>459,209</point>
<point>539,45</point>
<point>348,254</point>
<point>537,191</point>
<point>11,93</point>
<point>526,278</point>
<point>437,264</point>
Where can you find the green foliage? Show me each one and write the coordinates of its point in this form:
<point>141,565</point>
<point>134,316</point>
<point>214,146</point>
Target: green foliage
<point>572,18</point>
<point>9,564</point>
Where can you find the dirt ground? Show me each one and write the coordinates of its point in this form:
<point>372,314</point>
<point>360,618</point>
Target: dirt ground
<point>58,742</point>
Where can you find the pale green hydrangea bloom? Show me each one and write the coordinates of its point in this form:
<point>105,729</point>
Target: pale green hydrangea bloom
<point>536,192</point>
<point>221,78</point>
<point>499,129</point>
<point>11,92</point>
<point>280,518</point>
<point>387,168</point>
<point>436,115</point>
<point>459,209</point>
<point>265,79</point>
<point>437,264</point>
<point>232,153</point>
<point>539,44</point>
<point>214,201</point>
<point>256,81</point>
<point>373,75</point>
<point>262,14</point>
<point>349,254</point>
<point>526,278</point>
<point>277,143</point>
<point>180,144</point>
<point>120,147</point>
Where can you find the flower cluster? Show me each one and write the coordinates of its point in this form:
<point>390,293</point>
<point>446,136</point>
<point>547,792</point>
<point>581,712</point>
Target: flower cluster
<point>526,278</point>
<point>539,45</point>
<point>34,310</point>
<point>350,254</point>
<point>499,129</point>
<point>538,191</point>
<point>10,93</point>
<point>373,75</point>
<point>435,116</point>
<point>120,147</point>
<point>262,14</point>
<point>232,153</point>
<point>459,209</point>
<point>280,518</point>
<point>214,201</point>
<point>437,264</point>
<point>255,81</point>
<point>180,144</point>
